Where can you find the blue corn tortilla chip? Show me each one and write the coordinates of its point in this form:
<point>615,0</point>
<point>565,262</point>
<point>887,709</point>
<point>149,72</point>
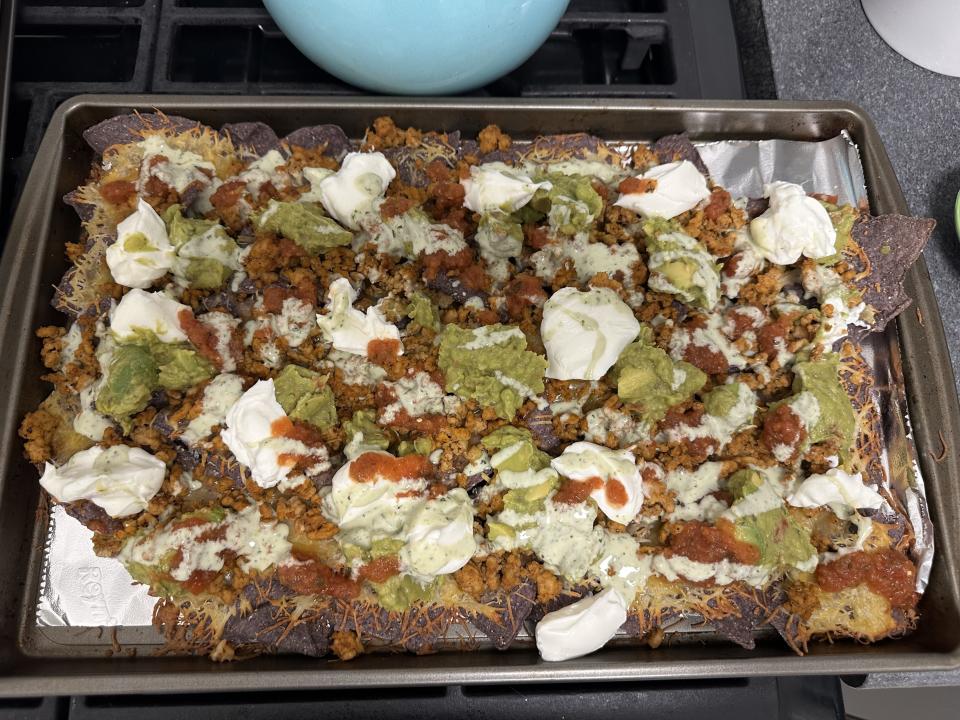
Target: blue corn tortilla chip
<point>511,611</point>
<point>453,287</point>
<point>573,146</point>
<point>93,517</point>
<point>566,597</point>
<point>237,304</point>
<point>269,625</point>
<point>424,627</point>
<point>84,210</point>
<point>370,622</point>
<point>256,136</point>
<point>540,425</point>
<point>127,128</point>
<point>411,162</point>
<point>788,625</point>
<point>330,139</point>
<point>892,243</point>
<point>757,207</point>
<point>672,148</point>
<point>753,608</point>
<point>212,464</point>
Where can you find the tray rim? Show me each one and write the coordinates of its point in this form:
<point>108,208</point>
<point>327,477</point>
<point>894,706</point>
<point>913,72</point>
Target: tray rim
<point>918,343</point>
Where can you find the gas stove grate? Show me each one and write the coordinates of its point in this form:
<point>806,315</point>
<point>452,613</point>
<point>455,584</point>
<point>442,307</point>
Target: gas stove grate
<point>601,48</point>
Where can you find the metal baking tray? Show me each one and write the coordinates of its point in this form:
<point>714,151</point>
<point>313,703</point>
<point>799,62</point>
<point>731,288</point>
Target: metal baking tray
<point>35,661</point>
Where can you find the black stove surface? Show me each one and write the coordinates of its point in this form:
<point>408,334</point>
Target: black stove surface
<point>601,48</point>
<point>814,698</point>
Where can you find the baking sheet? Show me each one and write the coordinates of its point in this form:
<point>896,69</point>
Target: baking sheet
<point>79,589</point>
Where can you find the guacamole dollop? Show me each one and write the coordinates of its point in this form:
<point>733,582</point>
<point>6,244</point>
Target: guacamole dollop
<point>206,256</point>
<point>648,377</point>
<point>780,539</point>
<point>529,500</point>
<point>363,433</point>
<point>181,368</point>
<point>836,419</point>
<point>303,394</point>
<point>681,265</point>
<point>131,378</point>
<point>571,204</point>
<point>422,310</point>
<point>401,591</point>
<point>843,219</point>
<point>492,365</point>
<point>504,437</point>
<point>305,224</point>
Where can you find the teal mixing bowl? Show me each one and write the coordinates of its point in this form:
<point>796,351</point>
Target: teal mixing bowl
<point>417,47</point>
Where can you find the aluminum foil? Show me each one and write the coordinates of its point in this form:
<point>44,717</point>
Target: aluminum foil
<point>82,590</point>
<point>833,167</point>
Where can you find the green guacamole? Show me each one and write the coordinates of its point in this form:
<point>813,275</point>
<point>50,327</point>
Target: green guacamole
<point>571,205</point>
<point>401,591</point>
<point>529,500</point>
<point>779,538</point>
<point>305,224</point>
<point>364,422</point>
<point>206,255</point>
<point>843,219</point>
<point>183,368</point>
<point>837,419</point>
<point>491,365</point>
<point>422,310</point>
<point>131,379</point>
<point>681,265</point>
<point>303,394</point>
<point>720,401</point>
<point>648,377</point>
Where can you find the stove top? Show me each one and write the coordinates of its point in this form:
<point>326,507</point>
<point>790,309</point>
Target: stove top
<point>770,698</point>
<point>601,48</point>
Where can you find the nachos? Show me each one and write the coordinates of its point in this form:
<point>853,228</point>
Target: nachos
<point>333,397</point>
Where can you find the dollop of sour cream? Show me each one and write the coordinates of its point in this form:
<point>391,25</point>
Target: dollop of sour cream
<point>581,628</point>
<point>374,506</point>
<point>496,187</point>
<point>139,310</point>
<point>377,496</point>
<point>349,329</point>
<point>354,188</point>
<point>795,224</point>
<point>439,536</point>
<point>120,479</point>
<point>680,187</point>
<point>617,486</point>
<point>249,430</point>
<point>585,332</point>
<point>841,492</point>
<point>142,252</point>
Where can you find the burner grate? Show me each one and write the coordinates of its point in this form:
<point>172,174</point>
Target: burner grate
<point>601,48</point>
